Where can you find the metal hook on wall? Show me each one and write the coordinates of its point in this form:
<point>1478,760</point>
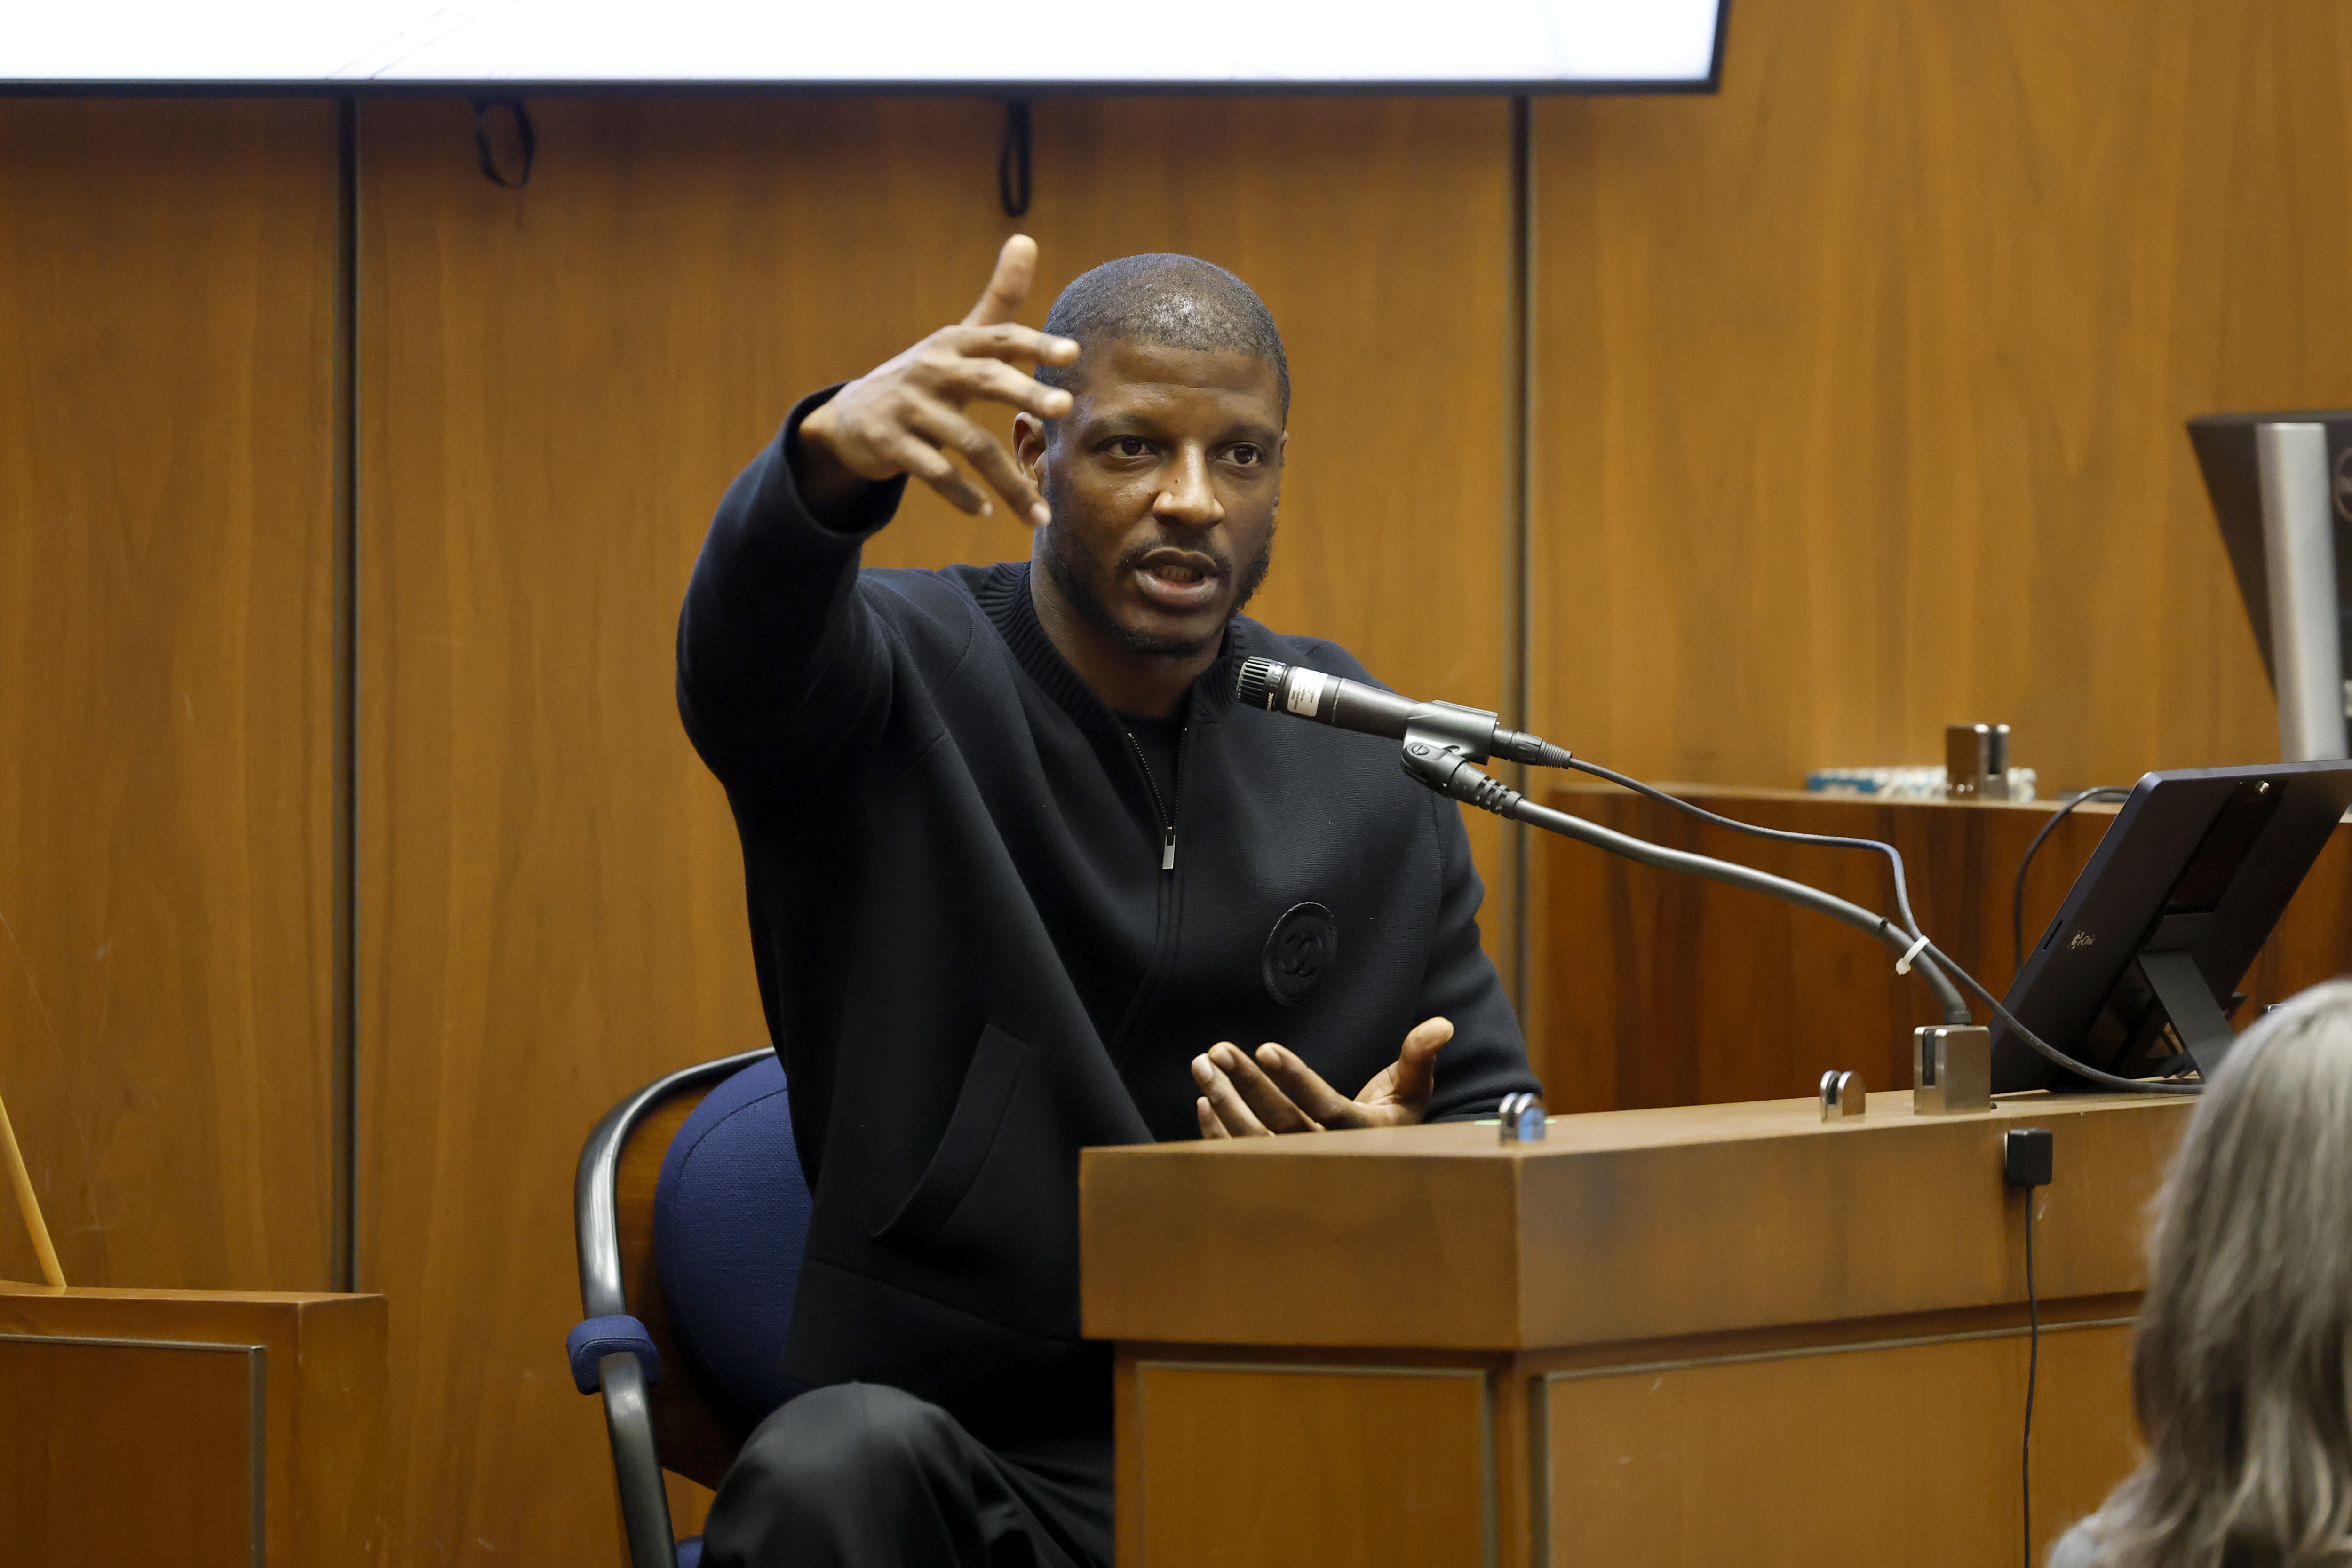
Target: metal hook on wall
<point>1012,185</point>
<point>525,138</point>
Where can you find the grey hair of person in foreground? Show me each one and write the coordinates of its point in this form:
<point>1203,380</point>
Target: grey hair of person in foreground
<point>2240,1364</point>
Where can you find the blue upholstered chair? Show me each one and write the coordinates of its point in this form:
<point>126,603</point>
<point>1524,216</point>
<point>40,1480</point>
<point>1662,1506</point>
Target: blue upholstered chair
<point>692,1214</point>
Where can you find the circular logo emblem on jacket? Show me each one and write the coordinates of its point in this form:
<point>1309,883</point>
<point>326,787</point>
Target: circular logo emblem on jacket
<point>1299,951</point>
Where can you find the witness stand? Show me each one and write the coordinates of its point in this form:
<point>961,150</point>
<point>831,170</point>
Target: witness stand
<point>1708,1334</point>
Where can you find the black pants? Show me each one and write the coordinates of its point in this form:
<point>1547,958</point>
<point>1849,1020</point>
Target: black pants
<point>864,1476</point>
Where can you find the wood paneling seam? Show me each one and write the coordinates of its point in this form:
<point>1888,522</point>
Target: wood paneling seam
<point>342,1134</point>
<point>1794,1352</point>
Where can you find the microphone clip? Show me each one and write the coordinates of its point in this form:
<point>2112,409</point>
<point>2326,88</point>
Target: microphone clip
<point>1442,751</point>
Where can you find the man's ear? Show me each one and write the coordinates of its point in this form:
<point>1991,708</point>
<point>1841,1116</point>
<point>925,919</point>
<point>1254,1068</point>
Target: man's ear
<point>1029,444</point>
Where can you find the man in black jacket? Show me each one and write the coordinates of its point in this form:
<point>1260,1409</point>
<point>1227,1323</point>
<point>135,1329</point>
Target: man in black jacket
<point>1015,860</point>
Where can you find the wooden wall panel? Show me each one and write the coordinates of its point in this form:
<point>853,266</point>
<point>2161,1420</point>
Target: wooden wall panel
<point>1860,387</point>
<point>166,685</point>
<point>557,382</point>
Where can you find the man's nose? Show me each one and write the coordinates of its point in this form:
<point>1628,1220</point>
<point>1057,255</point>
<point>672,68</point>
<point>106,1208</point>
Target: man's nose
<point>1187,497</point>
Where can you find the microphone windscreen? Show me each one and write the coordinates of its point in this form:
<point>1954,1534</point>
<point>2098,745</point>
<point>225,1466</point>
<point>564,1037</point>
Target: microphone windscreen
<point>1258,684</point>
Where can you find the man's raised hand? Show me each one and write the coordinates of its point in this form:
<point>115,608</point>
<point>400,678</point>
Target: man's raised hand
<point>906,416</point>
<point>1246,1097</point>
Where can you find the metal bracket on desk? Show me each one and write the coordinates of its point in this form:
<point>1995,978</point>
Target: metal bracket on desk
<point>1951,1069</point>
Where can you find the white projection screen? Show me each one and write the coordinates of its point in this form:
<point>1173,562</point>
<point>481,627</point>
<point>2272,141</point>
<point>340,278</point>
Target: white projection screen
<point>1268,45</point>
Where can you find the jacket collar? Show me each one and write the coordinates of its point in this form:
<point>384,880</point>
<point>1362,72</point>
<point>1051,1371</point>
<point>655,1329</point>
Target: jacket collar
<point>1003,595</point>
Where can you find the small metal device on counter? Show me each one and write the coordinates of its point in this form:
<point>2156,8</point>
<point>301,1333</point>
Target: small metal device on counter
<point>1975,762</point>
<point>1951,1069</point>
<point>1523,1118</point>
<point>1842,1095</point>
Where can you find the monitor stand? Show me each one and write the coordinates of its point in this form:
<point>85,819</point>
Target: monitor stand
<point>2197,1017</point>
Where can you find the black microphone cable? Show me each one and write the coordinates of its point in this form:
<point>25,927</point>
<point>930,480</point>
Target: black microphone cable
<point>1783,835</point>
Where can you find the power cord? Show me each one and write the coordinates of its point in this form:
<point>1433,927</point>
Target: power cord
<point>2017,894</point>
<point>2025,1162</point>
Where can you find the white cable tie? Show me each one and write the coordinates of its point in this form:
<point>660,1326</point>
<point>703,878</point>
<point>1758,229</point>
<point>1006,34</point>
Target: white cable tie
<point>1902,965</point>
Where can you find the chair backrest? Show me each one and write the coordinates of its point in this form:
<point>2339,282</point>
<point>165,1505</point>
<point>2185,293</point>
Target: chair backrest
<point>730,1223</point>
<point>710,1211</point>
<point>696,1428</point>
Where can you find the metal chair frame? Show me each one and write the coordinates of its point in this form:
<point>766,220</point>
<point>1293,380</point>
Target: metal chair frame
<point>628,1414</point>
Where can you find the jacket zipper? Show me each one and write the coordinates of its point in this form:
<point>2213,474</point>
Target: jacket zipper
<point>1164,941</point>
<point>1166,817</point>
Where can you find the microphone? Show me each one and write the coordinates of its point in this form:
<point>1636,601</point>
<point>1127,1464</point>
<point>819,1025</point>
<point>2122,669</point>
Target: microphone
<point>1351,705</point>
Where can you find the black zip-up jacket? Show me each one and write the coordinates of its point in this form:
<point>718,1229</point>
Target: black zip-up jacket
<point>978,953</point>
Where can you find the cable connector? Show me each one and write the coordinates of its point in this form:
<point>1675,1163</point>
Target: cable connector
<point>1444,767</point>
<point>2026,1157</point>
<point>1517,746</point>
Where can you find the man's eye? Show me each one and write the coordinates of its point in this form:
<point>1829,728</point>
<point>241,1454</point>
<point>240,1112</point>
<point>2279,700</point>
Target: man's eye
<point>1132,446</point>
<point>1246,455</point>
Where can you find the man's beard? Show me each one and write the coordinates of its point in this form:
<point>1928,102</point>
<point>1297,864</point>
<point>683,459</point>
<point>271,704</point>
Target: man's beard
<point>1073,568</point>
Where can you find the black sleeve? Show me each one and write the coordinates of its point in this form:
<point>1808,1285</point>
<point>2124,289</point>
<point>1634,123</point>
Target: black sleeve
<point>782,668</point>
<point>1487,1057</point>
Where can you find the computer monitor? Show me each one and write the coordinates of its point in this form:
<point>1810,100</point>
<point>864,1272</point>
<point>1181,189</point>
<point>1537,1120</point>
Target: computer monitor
<point>2281,486</point>
<point>2136,973</point>
<point>1487,47</point>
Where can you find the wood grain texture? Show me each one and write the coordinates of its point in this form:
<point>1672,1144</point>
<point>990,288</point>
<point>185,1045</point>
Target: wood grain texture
<point>84,1417</point>
<point>556,384</point>
<point>166,690</point>
<point>1893,1453</point>
<point>1659,989</point>
<point>1860,386</point>
<point>1622,1225</point>
<point>322,1379</point>
<point>1325,1464</point>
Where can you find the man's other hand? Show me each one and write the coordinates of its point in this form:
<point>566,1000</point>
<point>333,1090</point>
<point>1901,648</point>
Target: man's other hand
<point>906,416</point>
<point>1246,1097</point>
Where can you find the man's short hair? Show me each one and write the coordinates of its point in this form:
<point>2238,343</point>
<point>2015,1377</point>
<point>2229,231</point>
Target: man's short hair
<point>1170,301</point>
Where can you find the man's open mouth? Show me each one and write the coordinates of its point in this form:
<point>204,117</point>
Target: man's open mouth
<point>1178,580</point>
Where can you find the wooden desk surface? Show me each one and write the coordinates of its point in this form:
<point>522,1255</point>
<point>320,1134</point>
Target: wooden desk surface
<point>1625,1224</point>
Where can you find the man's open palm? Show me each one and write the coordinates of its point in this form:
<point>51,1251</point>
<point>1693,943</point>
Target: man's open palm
<point>906,416</point>
<point>1244,1096</point>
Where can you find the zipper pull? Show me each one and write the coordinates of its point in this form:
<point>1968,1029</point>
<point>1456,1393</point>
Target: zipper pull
<point>1168,847</point>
